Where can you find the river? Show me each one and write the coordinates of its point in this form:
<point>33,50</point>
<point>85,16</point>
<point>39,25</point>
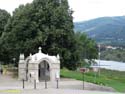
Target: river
<point>113,65</point>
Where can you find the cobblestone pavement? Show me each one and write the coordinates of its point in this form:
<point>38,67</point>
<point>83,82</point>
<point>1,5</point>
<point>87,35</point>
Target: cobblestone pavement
<point>66,86</point>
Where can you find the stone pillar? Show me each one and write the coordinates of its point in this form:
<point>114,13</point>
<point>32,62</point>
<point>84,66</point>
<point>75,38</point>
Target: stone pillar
<point>55,74</point>
<point>33,72</point>
<point>22,68</point>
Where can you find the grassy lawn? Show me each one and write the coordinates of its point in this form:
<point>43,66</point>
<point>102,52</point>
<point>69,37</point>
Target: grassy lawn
<point>114,79</point>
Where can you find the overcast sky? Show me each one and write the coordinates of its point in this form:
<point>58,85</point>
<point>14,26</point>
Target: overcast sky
<point>83,9</point>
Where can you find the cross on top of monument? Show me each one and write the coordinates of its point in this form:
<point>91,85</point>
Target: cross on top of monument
<point>30,54</point>
<point>40,50</point>
<point>60,1</point>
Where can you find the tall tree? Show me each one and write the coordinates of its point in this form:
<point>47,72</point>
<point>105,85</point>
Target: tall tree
<point>45,23</point>
<point>49,24</point>
<point>86,49</point>
<point>4,16</point>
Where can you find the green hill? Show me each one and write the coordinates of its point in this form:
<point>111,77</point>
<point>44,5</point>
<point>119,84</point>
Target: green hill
<point>106,30</point>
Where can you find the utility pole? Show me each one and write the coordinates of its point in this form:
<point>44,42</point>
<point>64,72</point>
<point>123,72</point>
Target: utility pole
<point>99,59</point>
<point>14,61</point>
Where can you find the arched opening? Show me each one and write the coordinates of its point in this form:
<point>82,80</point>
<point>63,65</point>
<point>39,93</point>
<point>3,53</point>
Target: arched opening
<point>27,71</point>
<point>44,71</point>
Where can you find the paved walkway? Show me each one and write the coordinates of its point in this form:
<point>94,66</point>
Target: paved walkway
<point>66,86</point>
<point>53,91</point>
<point>64,91</point>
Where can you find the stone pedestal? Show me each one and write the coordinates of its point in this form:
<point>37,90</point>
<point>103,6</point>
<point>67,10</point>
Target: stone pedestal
<point>22,68</point>
<point>33,72</point>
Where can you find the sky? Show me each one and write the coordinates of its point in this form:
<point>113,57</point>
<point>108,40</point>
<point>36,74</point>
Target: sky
<point>83,9</point>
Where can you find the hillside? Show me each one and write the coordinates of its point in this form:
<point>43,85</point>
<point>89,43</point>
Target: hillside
<point>106,30</point>
<point>115,55</point>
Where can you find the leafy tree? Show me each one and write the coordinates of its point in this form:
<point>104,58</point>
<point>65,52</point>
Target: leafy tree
<point>45,23</point>
<point>113,54</point>
<point>4,15</point>
<point>86,49</point>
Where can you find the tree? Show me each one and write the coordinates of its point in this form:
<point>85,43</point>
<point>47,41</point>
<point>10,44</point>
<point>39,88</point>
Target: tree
<point>45,23</point>
<point>49,24</point>
<point>86,49</point>
<point>4,16</point>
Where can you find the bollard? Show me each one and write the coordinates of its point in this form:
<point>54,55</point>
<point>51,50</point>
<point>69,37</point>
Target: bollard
<point>57,84</point>
<point>45,84</point>
<point>23,84</point>
<point>34,84</point>
<point>57,80</point>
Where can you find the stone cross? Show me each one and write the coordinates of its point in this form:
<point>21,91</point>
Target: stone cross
<point>40,50</point>
<point>58,57</point>
<point>60,1</point>
<point>30,54</point>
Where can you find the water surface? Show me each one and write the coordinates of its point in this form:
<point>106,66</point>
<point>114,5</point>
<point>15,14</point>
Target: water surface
<point>113,65</point>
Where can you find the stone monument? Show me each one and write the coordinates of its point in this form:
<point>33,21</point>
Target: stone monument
<point>39,67</point>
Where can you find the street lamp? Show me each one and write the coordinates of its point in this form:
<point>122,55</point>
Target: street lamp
<point>14,59</point>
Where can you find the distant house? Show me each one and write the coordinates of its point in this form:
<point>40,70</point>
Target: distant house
<point>111,47</point>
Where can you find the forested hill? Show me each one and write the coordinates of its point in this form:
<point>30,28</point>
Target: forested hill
<point>107,30</point>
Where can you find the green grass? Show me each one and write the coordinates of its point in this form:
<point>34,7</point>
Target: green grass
<point>108,78</point>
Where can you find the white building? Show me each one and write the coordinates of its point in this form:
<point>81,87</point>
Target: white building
<point>39,67</point>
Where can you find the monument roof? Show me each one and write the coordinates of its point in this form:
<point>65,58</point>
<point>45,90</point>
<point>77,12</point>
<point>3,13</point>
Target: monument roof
<point>38,56</point>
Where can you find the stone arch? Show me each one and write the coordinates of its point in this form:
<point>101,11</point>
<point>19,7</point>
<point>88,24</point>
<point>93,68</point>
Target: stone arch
<point>26,67</point>
<point>44,69</point>
<point>50,62</point>
<point>54,67</point>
